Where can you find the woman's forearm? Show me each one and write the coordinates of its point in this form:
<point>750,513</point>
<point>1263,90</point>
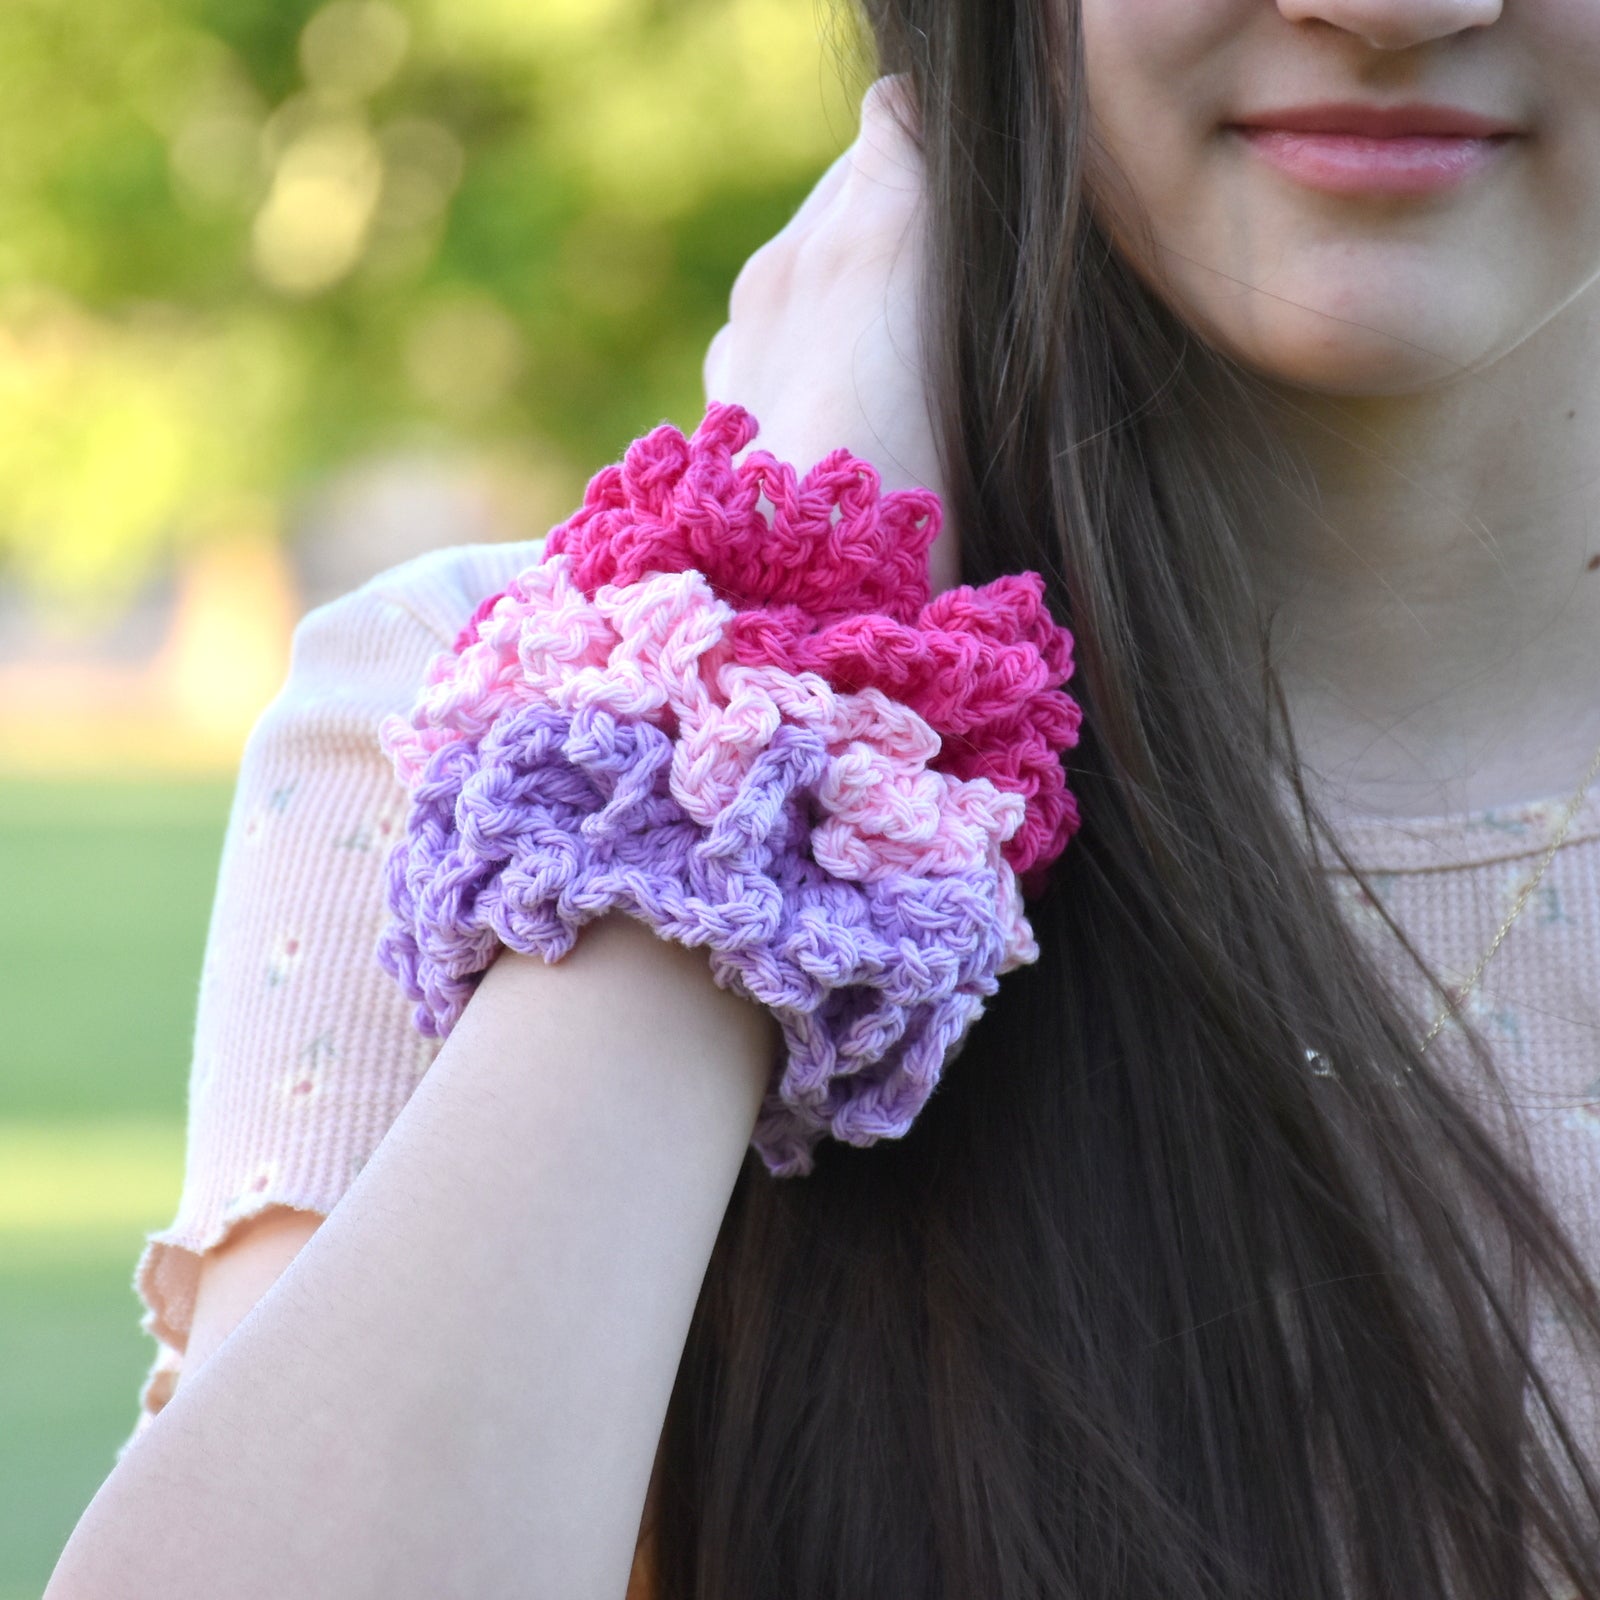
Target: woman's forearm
<point>457,1387</point>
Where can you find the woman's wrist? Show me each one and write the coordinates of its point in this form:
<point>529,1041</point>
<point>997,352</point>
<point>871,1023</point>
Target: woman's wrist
<point>651,990</point>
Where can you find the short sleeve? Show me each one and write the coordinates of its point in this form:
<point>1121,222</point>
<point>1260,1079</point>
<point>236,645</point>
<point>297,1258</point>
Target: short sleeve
<point>303,1050</point>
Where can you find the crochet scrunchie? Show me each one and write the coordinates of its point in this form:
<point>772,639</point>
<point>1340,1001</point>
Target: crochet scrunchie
<point>764,738</point>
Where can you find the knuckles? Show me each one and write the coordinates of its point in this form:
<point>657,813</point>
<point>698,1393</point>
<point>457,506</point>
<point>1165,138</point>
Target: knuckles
<point>867,222</point>
<point>713,369</point>
<point>764,279</point>
<point>854,234</point>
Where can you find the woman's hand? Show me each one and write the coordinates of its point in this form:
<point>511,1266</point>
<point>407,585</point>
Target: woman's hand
<point>824,337</point>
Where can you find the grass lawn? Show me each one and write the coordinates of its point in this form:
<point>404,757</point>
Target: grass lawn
<point>106,888</point>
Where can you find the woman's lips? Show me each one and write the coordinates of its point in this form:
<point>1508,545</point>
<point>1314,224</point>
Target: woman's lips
<point>1361,164</point>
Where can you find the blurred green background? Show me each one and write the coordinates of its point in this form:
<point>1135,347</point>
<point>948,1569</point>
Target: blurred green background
<point>244,244</point>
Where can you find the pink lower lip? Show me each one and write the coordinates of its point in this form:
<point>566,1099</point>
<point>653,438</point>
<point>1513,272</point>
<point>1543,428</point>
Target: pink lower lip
<point>1351,163</point>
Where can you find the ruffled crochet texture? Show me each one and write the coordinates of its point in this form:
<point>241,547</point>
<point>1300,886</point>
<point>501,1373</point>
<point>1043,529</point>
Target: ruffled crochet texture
<point>763,737</point>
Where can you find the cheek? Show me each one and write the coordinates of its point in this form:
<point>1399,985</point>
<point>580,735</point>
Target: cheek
<point>1555,56</point>
<point>1143,52</point>
<point>1565,32</point>
<point>1561,44</point>
<point>1157,74</point>
<point>1162,26</point>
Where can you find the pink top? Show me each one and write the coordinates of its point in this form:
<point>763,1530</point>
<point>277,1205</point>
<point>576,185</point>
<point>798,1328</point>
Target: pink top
<point>304,1047</point>
<point>305,1051</point>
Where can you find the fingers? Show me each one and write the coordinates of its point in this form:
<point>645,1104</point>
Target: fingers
<point>713,370</point>
<point>892,100</point>
<point>882,150</point>
<point>888,147</point>
<point>825,188</point>
<point>856,215</point>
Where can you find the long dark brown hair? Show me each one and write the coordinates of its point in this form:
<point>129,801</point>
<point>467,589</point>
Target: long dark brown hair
<point>1140,1307</point>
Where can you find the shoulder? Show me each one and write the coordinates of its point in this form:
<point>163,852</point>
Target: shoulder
<point>439,589</point>
<point>362,655</point>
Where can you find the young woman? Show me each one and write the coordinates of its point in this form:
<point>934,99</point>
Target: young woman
<point>1246,1246</point>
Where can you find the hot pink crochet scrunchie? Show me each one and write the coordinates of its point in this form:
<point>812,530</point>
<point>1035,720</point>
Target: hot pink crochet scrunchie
<point>764,738</point>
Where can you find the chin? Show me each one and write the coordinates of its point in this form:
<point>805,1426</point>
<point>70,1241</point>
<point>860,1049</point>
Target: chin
<point>1363,349</point>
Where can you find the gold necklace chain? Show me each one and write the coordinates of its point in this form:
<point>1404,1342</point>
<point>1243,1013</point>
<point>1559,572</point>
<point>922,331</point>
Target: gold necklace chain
<point>1319,1063</point>
<point>1522,899</point>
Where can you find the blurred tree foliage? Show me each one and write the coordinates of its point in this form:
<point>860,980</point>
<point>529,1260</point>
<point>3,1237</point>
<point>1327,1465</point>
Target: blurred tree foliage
<point>244,240</point>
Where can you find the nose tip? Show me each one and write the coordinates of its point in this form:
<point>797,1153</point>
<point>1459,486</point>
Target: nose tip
<point>1395,24</point>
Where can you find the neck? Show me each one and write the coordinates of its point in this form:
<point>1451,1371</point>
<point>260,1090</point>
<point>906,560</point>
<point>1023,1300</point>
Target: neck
<point>1437,592</point>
